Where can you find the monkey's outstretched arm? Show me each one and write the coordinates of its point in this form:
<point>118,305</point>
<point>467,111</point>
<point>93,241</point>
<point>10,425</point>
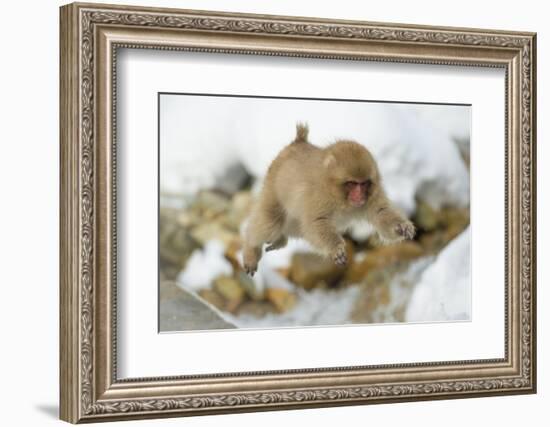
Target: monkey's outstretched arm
<point>390,223</point>
<point>321,233</point>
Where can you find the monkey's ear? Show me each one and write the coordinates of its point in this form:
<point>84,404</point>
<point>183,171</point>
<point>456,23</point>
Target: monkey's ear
<point>329,161</point>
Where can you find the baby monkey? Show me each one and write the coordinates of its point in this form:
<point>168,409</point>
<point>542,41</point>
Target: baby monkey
<point>316,193</point>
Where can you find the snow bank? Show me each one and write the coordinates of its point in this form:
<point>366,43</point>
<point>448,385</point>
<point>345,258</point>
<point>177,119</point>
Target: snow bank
<point>204,266</point>
<point>203,136</point>
<point>443,292</point>
<point>317,307</point>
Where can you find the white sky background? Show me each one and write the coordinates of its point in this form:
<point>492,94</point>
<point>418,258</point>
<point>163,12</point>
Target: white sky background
<point>202,135</point>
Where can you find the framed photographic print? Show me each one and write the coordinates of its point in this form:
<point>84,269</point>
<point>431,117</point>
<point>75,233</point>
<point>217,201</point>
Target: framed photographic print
<point>266,212</point>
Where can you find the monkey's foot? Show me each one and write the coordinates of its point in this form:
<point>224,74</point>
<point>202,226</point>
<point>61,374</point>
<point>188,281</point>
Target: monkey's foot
<point>250,270</point>
<point>340,256</point>
<point>251,257</point>
<point>277,244</point>
<point>405,230</point>
<point>250,266</point>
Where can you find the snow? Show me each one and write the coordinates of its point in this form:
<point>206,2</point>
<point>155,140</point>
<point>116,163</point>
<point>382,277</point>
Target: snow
<point>400,289</point>
<point>317,307</point>
<point>414,144</point>
<point>333,307</point>
<point>443,292</point>
<point>203,266</point>
<point>456,124</point>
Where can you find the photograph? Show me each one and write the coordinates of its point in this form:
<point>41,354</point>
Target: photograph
<point>264,211</point>
<point>297,212</point>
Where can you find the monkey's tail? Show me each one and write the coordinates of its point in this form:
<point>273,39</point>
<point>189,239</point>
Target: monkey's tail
<point>302,131</point>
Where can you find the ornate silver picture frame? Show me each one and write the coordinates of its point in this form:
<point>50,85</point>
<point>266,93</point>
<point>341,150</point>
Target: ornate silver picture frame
<point>91,36</point>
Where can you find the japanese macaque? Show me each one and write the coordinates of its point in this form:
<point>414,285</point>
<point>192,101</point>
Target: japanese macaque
<point>315,194</point>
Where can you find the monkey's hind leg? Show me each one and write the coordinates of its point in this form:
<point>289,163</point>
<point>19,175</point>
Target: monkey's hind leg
<point>277,244</point>
<point>266,223</point>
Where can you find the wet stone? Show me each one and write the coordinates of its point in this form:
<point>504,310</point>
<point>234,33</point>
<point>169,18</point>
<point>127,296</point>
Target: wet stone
<point>231,291</point>
<point>382,257</point>
<point>213,298</point>
<point>282,299</point>
<point>257,309</point>
<point>426,217</point>
<point>181,310</point>
<point>235,178</point>
<point>238,211</point>
<point>213,231</point>
<point>310,270</point>
<point>211,204</point>
<point>249,286</point>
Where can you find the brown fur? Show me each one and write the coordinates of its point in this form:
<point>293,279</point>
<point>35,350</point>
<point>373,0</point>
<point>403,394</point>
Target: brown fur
<point>304,196</point>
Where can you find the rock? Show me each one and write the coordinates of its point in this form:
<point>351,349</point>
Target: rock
<point>168,272</point>
<point>385,294</point>
<point>213,298</point>
<point>175,244</point>
<point>241,203</point>
<point>463,145</point>
<point>187,218</point>
<point>210,204</point>
<point>168,290</point>
<point>403,251</point>
<point>434,241</point>
<point>213,231</point>
<point>282,299</point>
<point>426,217</point>
<point>182,243</point>
<point>231,291</point>
<point>453,231</point>
<point>455,218</point>
<point>451,222</point>
<point>257,309</point>
<point>250,286</point>
<point>374,297</point>
<point>429,219</point>
<point>359,270</point>
<point>184,311</point>
<point>238,211</point>
<point>232,254</point>
<point>283,272</point>
<point>235,178</point>
<point>382,257</point>
<point>310,270</point>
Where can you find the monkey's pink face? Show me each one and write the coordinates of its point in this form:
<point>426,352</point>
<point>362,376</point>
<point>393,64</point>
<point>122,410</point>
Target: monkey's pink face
<point>353,173</point>
<point>357,192</point>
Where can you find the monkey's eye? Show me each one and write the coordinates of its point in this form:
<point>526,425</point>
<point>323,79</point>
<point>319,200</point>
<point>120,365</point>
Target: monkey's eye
<point>366,183</point>
<point>350,185</point>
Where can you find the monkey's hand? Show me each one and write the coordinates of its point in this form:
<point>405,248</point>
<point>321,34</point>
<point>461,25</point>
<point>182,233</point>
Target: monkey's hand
<point>339,255</point>
<point>405,229</point>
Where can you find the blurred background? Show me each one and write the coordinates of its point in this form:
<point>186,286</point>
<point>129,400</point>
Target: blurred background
<point>214,153</point>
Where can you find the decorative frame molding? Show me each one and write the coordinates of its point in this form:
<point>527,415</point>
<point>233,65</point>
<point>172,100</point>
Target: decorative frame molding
<point>90,36</point>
